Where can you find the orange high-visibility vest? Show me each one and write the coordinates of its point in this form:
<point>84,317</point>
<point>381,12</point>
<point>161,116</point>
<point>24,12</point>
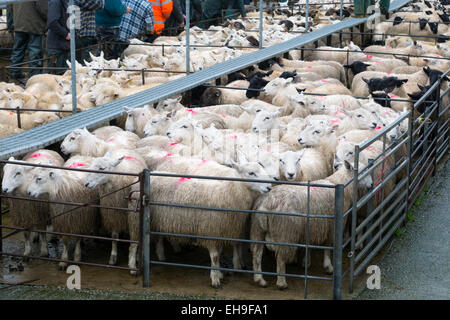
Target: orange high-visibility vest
<point>161,11</point>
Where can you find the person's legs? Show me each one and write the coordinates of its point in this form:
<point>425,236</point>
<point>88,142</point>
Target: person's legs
<point>108,34</point>
<point>18,53</point>
<point>59,60</point>
<point>35,52</point>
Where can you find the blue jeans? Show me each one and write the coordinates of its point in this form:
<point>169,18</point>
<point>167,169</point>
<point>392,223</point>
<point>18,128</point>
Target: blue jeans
<point>61,57</point>
<point>111,50</point>
<point>22,42</point>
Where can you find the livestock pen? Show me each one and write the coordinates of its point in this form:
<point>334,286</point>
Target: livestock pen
<point>425,142</point>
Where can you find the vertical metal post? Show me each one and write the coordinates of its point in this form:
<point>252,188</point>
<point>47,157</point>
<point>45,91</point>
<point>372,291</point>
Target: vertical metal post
<point>436,136</point>
<point>308,212</point>
<point>73,56</point>
<point>307,15</point>
<point>354,216</point>
<point>261,21</point>
<point>146,230</point>
<point>19,122</point>
<point>408,156</point>
<point>1,223</point>
<point>188,25</point>
<point>340,10</point>
<point>338,238</point>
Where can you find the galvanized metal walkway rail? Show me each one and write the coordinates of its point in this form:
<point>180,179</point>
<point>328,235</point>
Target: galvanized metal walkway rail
<point>55,131</point>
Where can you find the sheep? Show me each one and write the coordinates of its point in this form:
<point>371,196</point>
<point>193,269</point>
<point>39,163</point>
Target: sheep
<point>25,214</point>
<point>27,121</point>
<point>62,185</point>
<point>81,141</point>
<point>304,165</point>
<point>119,160</point>
<point>104,133</point>
<point>216,96</point>
<point>290,229</point>
<point>137,119</point>
<point>6,131</point>
<point>205,193</point>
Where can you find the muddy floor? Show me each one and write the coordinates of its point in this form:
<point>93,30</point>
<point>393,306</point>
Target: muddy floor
<point>174,282</point>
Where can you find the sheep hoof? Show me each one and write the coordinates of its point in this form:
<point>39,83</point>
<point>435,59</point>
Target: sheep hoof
<point>262,283</point>
<point>133,273</point>
<point>112,260</point>
<point>329,270</point>
<point>283,286</point>
<point>216,286</point>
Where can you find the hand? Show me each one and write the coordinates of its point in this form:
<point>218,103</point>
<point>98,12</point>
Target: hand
<point>68,36</point>
<point>128,10</point>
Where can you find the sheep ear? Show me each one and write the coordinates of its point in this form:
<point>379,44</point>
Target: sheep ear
<point>52,174</point>
<point>127,110</point>
<point>179,99</point>
<point>116,163</point>
<point>38,121</point>
<point>11,159</point>
<point>348,165</point>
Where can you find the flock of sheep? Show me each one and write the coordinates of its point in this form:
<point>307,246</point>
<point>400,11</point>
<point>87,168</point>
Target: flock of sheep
<point>273,129</point>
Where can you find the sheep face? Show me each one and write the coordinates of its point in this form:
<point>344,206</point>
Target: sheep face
<point>253,170</point>
<point>264,121</point>
<point>270,163</point>
<point>155,124</point>
<point>211,97</point>
<point>93,180</point>
<point>72,142</point>
<point>42,182</point>
<point>13,176</point>
<point>64,86</point>
<point>366,182</point>
<point>181,129</point>
<point>312,134</point>
<point>168,104</point>
<point>362,118</point>
<point>345,151</point>
<point>107,94</point>
<point>289,162</point>
<point>276,84</point>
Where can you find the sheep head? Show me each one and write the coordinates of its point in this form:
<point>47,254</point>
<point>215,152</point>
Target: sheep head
<point>105,163</point>
<point>14,175</point>
<point>42,181</point>
<point>289,162</point>
<point>72,142</point>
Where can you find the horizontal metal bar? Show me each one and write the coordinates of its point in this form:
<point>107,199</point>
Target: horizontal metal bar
<point>68,261</point>
<point>293,214</point>
<point>373,225</point>
<point>381,205</point>
<point>378,247</point>
<point>295,183</point>
<point>298,245</point>
<point>69,234</point>
<point>380,232</point>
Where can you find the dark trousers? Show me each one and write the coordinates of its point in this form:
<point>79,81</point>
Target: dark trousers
<point>111,50</point>
<point>58,59</point>
<point>22,42</point>
<point>84,46</point>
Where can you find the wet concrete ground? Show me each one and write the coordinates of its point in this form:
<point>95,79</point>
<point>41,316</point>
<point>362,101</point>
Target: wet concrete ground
<point>417,266</point>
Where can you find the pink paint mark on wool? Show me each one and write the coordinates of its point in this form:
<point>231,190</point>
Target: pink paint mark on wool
<point>234,137</point>
<point>370,148</point>
<point>323,80</point>
<point>309,67</point>
<point>378,61</point>
<point>181,180</point>
<point>77,165</point>
<point>223,115</point>
<point>173,143</point>
<point>388,73</point>
<point>368,56</point>
<point>129,158</point>
<point>334,121</point>
<point>378,128</point>
<point>111,140</point>
<point>192,111</point>
<point>36,155</point>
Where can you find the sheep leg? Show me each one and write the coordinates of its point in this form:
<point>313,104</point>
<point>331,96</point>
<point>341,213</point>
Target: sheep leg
<point>281,268</point>
<point>113,257</point>
<point>77,254</point>
<point>27,250</point>
<point>237,256</point>
<point>132,258</point>
<point>327,262</point>
<point>216,275</point>
<point>176,247</point>
<point>257,252</point>
<point>64,255</point>
<point>309,259</point>
<point>160,249</point>
<point>44,249</point>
